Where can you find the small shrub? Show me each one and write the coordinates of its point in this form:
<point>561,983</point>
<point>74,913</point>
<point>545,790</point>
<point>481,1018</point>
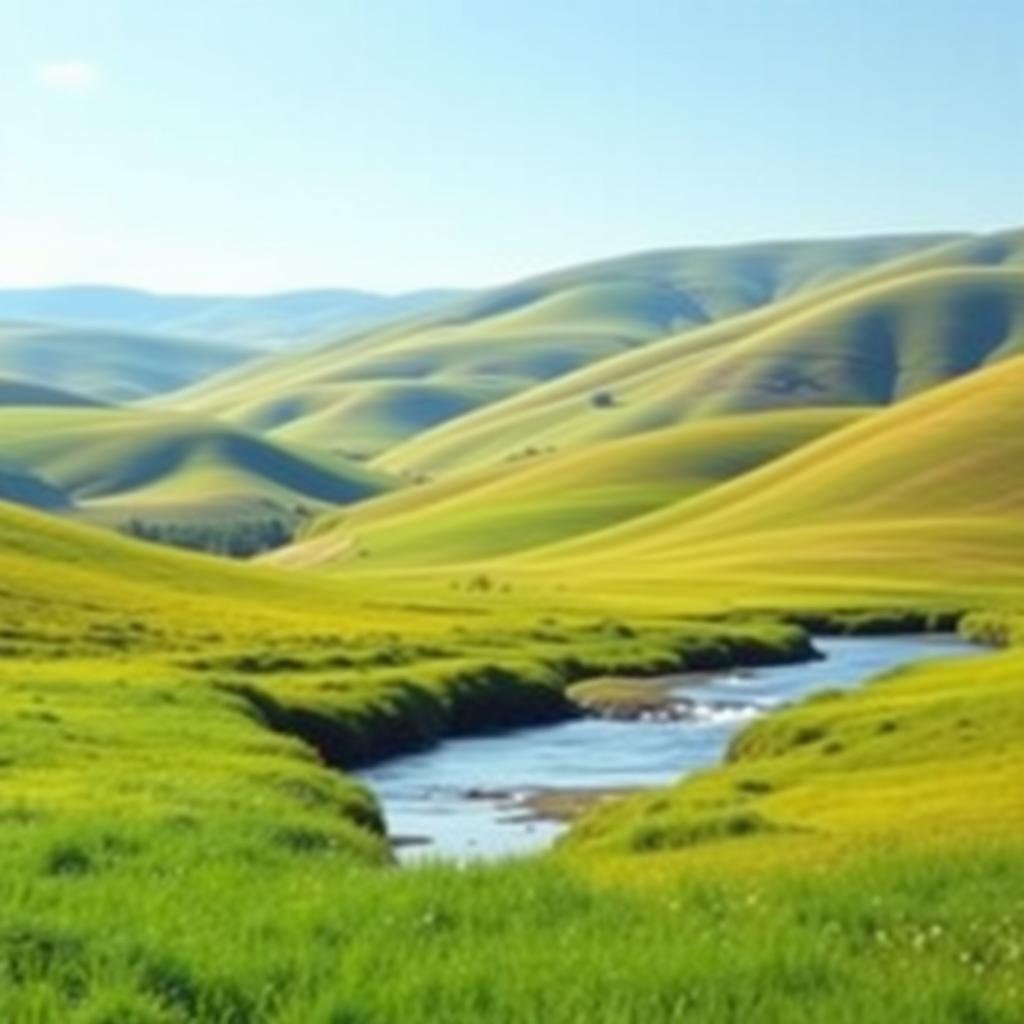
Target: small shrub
<point>68,859</point>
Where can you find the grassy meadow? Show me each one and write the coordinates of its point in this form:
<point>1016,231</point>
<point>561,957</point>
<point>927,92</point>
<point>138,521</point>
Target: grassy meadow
<point>182,836</point>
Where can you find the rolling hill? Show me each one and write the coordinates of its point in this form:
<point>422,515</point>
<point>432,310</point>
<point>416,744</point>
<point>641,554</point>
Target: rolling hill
<point>16,392</point>
<point>549,497</point>
<point>265,321</point>
<point>918,501</point>
<point>67,586</point>
<point>925,497</point>
<point>23,488</point>
<point>870,339</point>
<point>108,365</point>
<point>367,394</point>
<point>162,469</point>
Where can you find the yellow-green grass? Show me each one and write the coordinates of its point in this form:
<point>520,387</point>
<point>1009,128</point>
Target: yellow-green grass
<point>109,365</point>
<point>924,496</point>
<point>917,503</point>
<point>549,497</point>
<point>141,743</point>
<point>366,417</point>
<point>101,930</point>
<point>116,465</point>
<point>71,591</point>
<point>925,757</point>
<point>169,858</point>
<point>394,383</point>
<point>872,345</point>
<point>133,676</point>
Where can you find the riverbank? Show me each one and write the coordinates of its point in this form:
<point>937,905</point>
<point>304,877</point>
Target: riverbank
<point>406,710</point>
<point>878,882</point>
<point>147,800</point>
<point>492,796</point>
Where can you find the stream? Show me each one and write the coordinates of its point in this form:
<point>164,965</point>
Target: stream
<point>466,798</point>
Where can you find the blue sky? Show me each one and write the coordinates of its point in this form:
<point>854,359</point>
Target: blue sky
<point>393,144</point>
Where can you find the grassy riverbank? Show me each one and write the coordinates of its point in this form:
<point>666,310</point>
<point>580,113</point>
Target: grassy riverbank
<point>177,847</point>
<point>169,859</point>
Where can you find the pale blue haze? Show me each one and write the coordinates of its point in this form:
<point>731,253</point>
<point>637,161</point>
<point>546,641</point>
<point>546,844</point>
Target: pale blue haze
<point>393,144</point>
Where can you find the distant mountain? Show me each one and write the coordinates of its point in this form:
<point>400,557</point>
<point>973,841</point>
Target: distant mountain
<point>42,364</point>
<point>267,321</point>
<point>16,392</point>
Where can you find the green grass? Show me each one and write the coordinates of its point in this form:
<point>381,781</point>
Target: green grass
<point>868,340</point>
<point>307,937</point>
<point>922,757</point>
<point>115,466</point>
<point>368,394</point>
<point>176,849</point>
<point>923,498</point>
<point>543,497</point>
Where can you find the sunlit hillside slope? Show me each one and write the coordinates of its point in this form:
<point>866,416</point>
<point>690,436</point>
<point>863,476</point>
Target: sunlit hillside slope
<point>366,395</point>
<point>872,339</point>
<point>116,465</point>
<point>520,505</point>
<point>926,496</point>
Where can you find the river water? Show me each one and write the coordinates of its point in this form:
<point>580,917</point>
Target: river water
<point>463,799</point>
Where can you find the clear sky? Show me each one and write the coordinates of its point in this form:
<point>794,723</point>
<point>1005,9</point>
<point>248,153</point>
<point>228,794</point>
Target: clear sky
<point>254,145</point>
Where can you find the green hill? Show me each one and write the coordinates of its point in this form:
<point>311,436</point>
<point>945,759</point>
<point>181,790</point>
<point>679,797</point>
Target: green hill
<point>548,497</point>
<point>108,365</point>
<point>367,394</point>
<point>922,498</point>
<point>648,429</point>
<point>167,470</point>
<point>23,488</point>
<point>16,392</point>
<point>868,340</point>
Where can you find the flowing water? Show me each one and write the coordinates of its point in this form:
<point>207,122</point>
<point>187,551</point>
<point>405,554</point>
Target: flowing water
<point>464,798</point>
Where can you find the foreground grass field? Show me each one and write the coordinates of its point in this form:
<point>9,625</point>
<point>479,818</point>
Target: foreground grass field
<point>177,847</point>
<point>166,859</point>
<point>312,938</point>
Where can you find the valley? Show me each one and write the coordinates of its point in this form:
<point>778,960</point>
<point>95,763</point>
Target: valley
<point>682,470</point>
